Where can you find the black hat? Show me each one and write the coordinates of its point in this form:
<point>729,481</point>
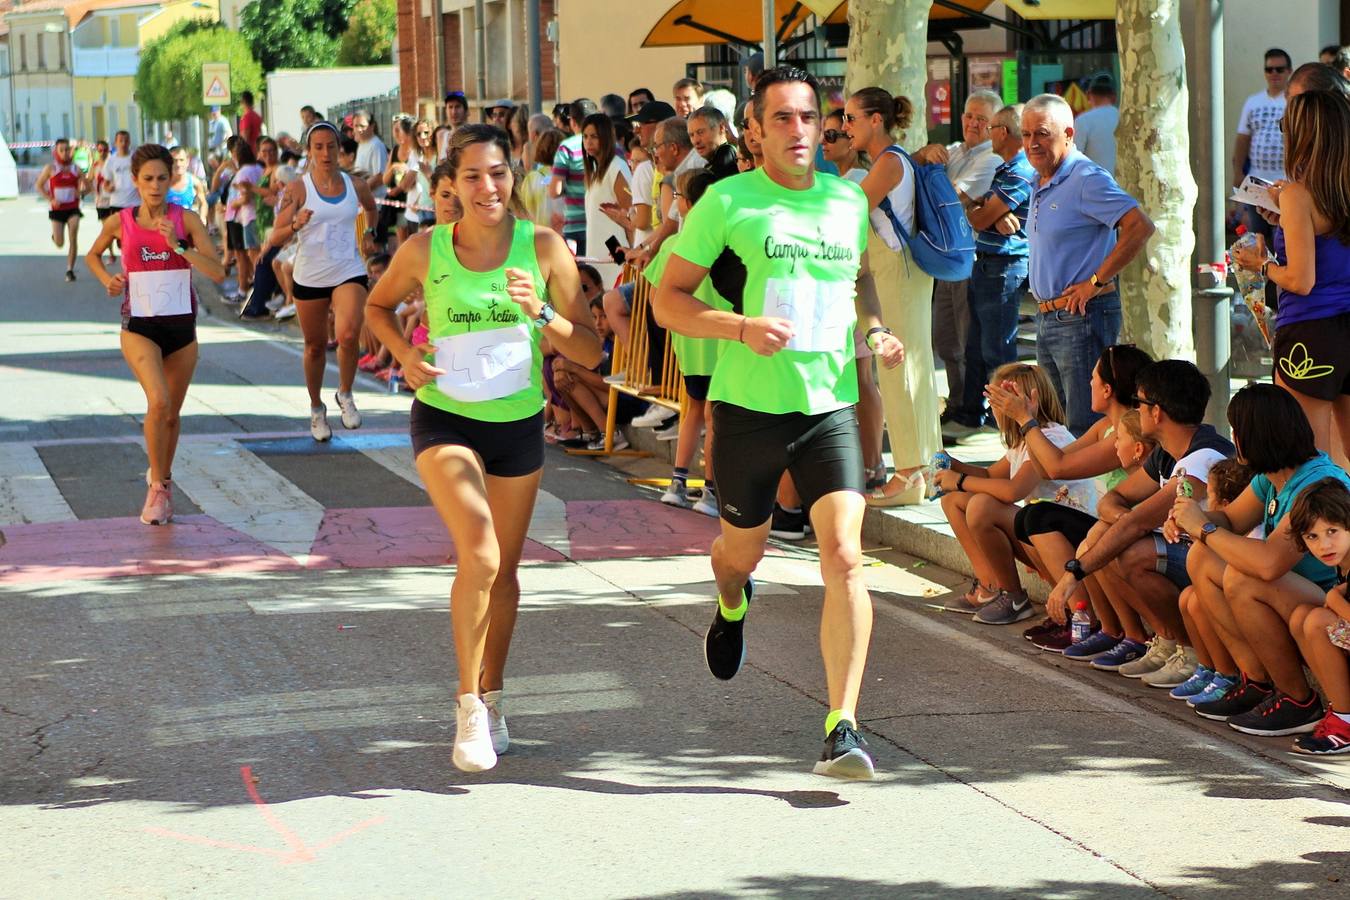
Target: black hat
<point>652,112</point>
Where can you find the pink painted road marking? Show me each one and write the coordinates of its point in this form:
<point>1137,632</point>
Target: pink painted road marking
<point>620,529</point>
<point>392,536</point>
<point>299,852</point>
<point>381,537</point>
<point>107,548</point>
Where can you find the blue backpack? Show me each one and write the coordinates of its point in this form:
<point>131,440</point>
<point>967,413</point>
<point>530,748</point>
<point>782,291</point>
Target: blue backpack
<point>943,243</point>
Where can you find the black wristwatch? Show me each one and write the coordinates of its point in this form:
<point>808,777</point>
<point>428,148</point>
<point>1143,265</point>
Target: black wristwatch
<point>880,329</point>
<point>1030,424</point>
<point>1206,530</point>
<point>1075,568</point>
<point>182,247</point>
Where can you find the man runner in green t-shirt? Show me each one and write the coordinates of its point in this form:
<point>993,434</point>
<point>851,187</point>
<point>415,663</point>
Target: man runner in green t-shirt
<point>785,246</point>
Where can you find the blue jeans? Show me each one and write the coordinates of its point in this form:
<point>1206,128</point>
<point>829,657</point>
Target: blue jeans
<point>1067,347</point>
<point>996,287</point>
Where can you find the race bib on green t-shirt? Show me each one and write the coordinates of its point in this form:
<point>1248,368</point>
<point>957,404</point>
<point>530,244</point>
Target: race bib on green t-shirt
<point>798,253</point>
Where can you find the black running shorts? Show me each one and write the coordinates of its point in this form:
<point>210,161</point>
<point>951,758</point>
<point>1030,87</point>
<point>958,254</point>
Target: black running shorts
<point>1313,357</point>
<point>64,215</point>
<point>170,333</point>
<point>752,450</point>
<point>508,449</point>
<point>1050,518</point>
<point>305,292</point>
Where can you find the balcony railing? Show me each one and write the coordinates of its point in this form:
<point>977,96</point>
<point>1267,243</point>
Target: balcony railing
<point>106,61</point>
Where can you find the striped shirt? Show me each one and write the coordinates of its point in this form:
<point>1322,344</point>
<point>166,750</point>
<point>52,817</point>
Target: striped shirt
<point>569,167</point>
<point>1013,184</point>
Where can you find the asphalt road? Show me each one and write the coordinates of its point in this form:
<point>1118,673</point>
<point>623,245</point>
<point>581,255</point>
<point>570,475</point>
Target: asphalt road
<point>258,699</point>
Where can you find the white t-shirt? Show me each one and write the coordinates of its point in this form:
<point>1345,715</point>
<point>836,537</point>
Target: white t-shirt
<point>1260,119</point>
<point>600,227</point>
<point>372,157</point>
<point>1094,133</point>
<point>117,172</point>
<point>644,178</point>
<point>1080,493</point>
<point>689,163</point>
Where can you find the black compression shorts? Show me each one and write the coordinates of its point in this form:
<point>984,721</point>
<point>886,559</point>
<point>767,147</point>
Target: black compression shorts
<point>305,292</point>
<point>508,449</point>
<point>823,452</point>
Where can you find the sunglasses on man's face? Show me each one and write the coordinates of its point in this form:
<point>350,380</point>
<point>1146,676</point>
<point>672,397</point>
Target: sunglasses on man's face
<point>1143,401</point>
<point>1276,70</point>
<point>833,134</point>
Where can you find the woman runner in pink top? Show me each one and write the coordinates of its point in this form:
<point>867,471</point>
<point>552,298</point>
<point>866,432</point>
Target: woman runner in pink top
<point>161,242</point>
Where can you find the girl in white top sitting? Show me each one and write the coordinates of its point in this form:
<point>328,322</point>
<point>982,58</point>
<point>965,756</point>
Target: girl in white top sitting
<point>981,503</point>
<point>607,179</point>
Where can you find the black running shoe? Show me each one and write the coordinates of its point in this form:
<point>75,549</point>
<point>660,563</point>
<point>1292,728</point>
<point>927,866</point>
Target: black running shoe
<point>70,274</point>
<point>845,755</point>
<point>1280,714</point>
<point>1245,697</point>
<point>789,526</point>
<point>724,644</point>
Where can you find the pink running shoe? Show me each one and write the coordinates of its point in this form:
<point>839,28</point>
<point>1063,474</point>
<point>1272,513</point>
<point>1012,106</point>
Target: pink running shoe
<point>158,509</point>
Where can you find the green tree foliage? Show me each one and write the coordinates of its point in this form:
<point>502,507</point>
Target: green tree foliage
<point>169,77</point>
<point>295,34</point>
<point>369,38</point>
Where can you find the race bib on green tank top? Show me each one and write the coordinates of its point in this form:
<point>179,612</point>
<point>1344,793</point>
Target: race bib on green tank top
<point>798,254</point>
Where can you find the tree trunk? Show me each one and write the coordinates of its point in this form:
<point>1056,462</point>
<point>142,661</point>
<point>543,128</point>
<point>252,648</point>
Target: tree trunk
<point>888,48</point>
<point>1153,163</point>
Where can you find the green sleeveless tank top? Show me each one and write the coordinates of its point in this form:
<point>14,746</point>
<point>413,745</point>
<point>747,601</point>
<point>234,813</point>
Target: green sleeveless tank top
<point>486,345</point>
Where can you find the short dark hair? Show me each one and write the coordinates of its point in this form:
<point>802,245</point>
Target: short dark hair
<point>60,140</point>
<point>122,132</point>
<point>309,109</point>
<point>1276,51</point>
<point>247,97</point>
<point>593,272</point>
<point>614,106</point>
<point>150,153</point>
<point>636,91</point>
<point>1327,499</point>
<point>348,145</point>
<point>781,75</point>
<point>377,259</point>
<point>580,108</point>
<point>1119,366</point>
<point>1176,387</point>
<point>1314,76</point>
<point>1270,428</point>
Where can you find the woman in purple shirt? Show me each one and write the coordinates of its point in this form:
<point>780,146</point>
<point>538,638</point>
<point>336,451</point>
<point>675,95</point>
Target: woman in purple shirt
<point>1312,336</point>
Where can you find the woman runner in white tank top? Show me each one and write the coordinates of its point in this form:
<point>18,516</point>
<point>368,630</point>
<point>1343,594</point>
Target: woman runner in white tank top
<point>320,210</point>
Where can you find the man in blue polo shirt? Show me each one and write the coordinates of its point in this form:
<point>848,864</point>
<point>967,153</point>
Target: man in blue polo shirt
<point>1000,276</point>
<point>1083,229</point>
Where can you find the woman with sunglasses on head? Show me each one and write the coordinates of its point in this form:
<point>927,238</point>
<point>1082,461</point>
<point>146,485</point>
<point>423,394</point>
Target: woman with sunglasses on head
<point>872,117</point>
<point>163,243</point>
<point>319,210</point>
<point>490,282</point>
<point>416,183</point>
<point>1312,266</point>
<point>838,149</point>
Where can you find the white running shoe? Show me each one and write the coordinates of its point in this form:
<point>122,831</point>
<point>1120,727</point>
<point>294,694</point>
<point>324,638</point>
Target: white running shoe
<point>501,738</point>
<point>677,494</point>
<point>670,432</point>
<point>656,414</point>
<point>318,423</point>
<point>707,504</point>
<point>473,736</point>
<point>620,442</point>
<point>351,416</point>
<point>286,312</point>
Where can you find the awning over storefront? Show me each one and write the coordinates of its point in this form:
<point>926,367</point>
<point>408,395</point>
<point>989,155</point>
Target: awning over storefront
<point>699,22</point>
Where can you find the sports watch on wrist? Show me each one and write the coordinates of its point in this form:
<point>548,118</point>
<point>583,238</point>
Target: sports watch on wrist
<point>1206,530</point>
<point>1075,568</point>
<point>546,314</point>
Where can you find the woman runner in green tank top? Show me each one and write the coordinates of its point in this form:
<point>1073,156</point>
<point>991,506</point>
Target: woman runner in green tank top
<point>490,282</point>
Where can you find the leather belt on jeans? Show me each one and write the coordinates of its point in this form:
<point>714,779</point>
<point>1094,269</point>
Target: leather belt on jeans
<point>1059,303</point>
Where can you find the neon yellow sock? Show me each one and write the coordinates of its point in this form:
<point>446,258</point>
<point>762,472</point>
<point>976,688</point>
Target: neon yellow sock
<point>835,717</point>
<point>736,613</point>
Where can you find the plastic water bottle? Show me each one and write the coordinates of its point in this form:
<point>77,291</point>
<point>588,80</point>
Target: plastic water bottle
<point>1080,626</point>
<point>941,461</point>
<point>1251,285</point>
<point>395,382</point>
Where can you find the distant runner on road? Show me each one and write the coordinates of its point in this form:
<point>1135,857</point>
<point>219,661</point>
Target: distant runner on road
<point>785,245</point>
<point>161,244</point>
<point>490,282</point>
<point>63,184</point>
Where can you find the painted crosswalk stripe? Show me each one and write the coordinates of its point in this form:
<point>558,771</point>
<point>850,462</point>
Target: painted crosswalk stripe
<point>28,495</point>
<point>239,490</point>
